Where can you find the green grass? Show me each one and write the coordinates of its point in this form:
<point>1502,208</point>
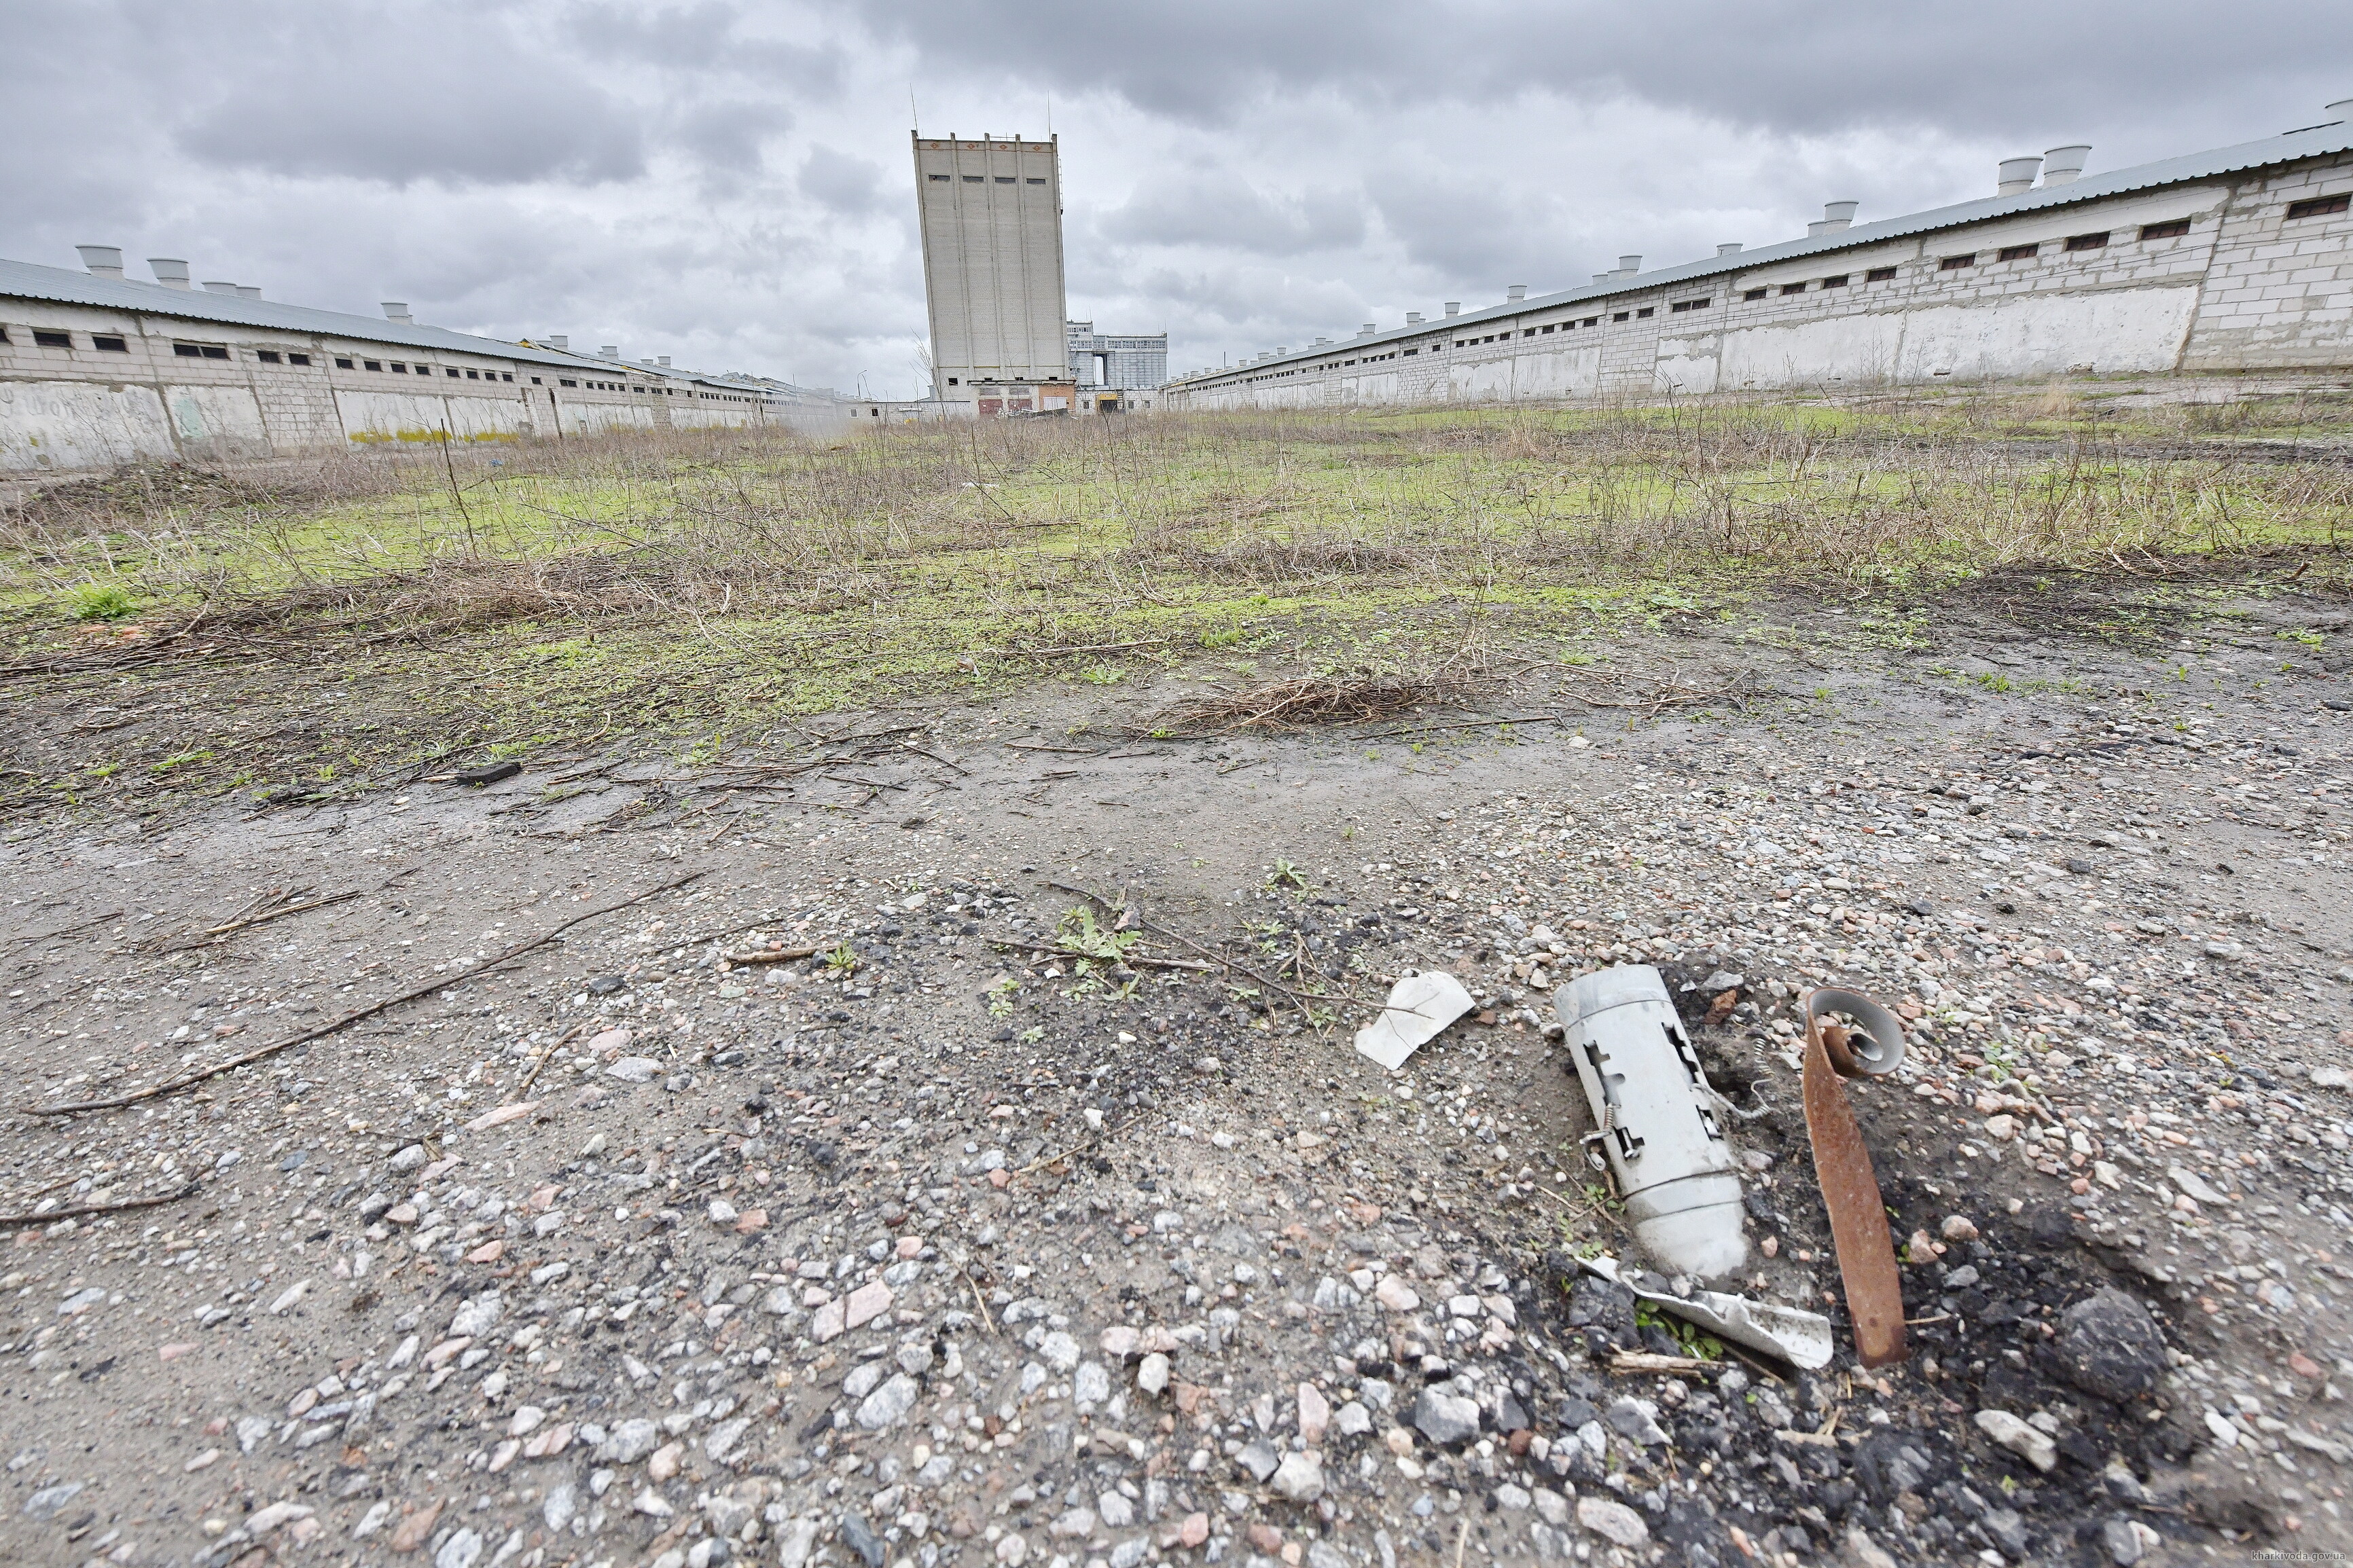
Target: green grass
<point>705,587</point>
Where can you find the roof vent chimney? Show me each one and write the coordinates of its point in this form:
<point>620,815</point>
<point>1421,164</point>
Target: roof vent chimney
<point>248,290</point>
<point>663,361</point>
<point>609,351</point>
<point>2016,175</point>
<point>560,344</point>
<point>396,310</point>
<point>1628,266</point>
<point>103,260</point>
<point>1837,215</point>
<point>1516,293</point>
<point>2064,165</point>
<point>1453,307</point>
<point>1413,318</point>
<point>1367,330</point>
<point>1729,248</point>
<point>220,287</point>
<point>171,274</point>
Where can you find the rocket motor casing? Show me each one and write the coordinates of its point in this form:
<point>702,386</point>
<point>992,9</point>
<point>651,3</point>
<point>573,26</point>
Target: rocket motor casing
<point>1659,1130</point>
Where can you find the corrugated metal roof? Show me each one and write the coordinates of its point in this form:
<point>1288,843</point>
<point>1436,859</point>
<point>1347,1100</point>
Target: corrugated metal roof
<point>2314,141</point>
<point>24,279</point>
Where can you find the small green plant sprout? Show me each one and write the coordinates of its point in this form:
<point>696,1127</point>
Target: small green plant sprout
<point>842,961</point>
<point>1102,675</point>
<point>1032,1035</point>
<point>999,994</point>
<point>1696,1343</point>
<point>1286,876</point>
<point>101,601</point>
<point>1082,935</point>
<point>2303,634</point>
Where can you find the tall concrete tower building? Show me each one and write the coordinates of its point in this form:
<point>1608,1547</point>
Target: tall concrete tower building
<point>992,221</point>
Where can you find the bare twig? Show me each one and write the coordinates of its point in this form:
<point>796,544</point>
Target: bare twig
<point>189,1081</point>
<point>81,1209</point>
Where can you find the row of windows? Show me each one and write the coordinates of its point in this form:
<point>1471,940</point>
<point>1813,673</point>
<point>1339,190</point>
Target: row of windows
<point>984,179</point>
<point>397,368</point>
<point>107,343</point>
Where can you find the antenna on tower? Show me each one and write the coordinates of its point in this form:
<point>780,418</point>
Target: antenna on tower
<point>911,115</point>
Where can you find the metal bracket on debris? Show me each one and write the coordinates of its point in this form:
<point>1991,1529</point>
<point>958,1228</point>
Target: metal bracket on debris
<point>1800,1338</point>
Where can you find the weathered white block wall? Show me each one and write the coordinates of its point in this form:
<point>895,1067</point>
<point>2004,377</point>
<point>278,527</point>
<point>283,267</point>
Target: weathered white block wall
<point>2244,288</point>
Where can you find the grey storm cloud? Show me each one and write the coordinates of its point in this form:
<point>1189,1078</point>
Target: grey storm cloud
<point>1811,66</point>
<point>1215,207</point>
<point>726,181</point>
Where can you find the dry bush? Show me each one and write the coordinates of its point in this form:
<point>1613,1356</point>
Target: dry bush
<point>1346,698</point>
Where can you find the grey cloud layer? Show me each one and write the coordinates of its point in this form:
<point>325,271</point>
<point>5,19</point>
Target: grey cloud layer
<point>727,182</point>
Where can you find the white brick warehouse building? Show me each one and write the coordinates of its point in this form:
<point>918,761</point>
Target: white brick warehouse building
<point>97,369</point>
<point>2235,259</point>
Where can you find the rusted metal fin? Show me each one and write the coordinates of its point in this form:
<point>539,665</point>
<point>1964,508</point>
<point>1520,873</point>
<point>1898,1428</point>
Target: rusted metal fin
<point>1866,1250</point>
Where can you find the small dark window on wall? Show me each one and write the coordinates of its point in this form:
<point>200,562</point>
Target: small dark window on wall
<point>1646,312</point>
<point>1621,315</point>
<point>2173,230</point>
<point>1880,275</point>
<point>561,380</point>
<point>536,381</point>
<point>1793,288</point>
<point>473,375</point>
<point>506,376</point>
<point>2088,241</point>
<point>52,340</point>
<point>1680,306</point>
<point>1755,293</point>
<point>1835,280</point>
<point>297,359</point>
<point>453,372</point>
<point>2320,207</point>
<point>938,179</point>
<point>267,356</point>
<point>2019,252</point>
<point>340,363</point>
<point>400,369</point>
<point>371,364</point>
<point>213,351</point>
<point>1955,263</point>
<point>110,345</point>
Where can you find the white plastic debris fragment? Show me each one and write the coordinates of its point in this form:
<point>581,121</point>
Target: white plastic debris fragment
<point>1801,1338</point>
<point>1419,1006</point>
<point>1657,1129</point>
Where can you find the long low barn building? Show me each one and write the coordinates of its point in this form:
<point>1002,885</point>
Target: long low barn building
<point>97,369</point>
<point>2235,259</point>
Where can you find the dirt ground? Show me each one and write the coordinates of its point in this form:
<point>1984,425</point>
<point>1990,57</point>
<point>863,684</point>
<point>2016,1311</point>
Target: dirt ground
<point>936,1246</point>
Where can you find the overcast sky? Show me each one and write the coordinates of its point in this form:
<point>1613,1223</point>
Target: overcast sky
<point>728,182</point>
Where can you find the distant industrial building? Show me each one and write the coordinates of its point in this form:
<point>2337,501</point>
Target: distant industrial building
<point>991,216</point>
<point>98,369</point>
<point>1116,371</point>
<point>2240,258</point>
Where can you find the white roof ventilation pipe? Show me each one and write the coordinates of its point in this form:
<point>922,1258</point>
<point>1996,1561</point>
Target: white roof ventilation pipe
<point>663,361</point>
<point>169,273</point>
<point>609,351</point>
<point>1628,266</point>
<point>2016,175</point>
<point>1729,248</point>
<point>560,344</point>
<point>219,287</point>
<point>1453,307</point>
<point>1516,293</point>
<point>397,313</point>
<point>248,290</point>
<point>1367,330</point>
<point>2064,165</point>
<point>1413,318</point>
<point>103,260</point>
